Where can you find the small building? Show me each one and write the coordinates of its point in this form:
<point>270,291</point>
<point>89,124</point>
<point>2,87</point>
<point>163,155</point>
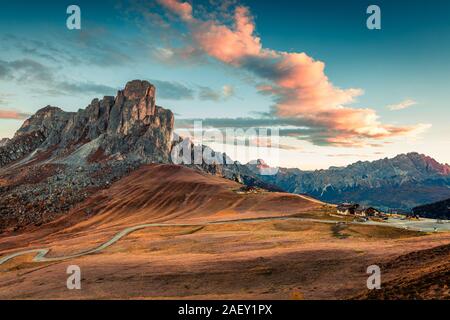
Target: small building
<point>357,210</point>
<point>372,212</point>
<point>412,216</point>
<point>347,208</point>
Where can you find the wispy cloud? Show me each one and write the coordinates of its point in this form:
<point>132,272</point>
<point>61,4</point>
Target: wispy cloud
<point>402,105</point>
<point>284,127</point>
<point>172,90</point>
<point>241,122</point>
<point>4,99</point>
<point>102,52</point>
<point>41,49</point>
<point>354,155</point>
<point>43,79</point>
<point>206,93</point>
<point>296,82</point>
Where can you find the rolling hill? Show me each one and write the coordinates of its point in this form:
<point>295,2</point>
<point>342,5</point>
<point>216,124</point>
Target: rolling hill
<point>437,210</point>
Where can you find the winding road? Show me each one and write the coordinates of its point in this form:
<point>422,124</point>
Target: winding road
<point>41,253</point>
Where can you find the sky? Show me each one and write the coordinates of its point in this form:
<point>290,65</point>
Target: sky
<point>335,91</point>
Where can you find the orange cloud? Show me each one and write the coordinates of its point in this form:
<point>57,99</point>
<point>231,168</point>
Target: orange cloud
<point>297,82</point>
<point>10,114</point>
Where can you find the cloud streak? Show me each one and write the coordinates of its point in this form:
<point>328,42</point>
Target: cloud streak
<point>206,93</point>
<point>44,79</point>
<point>102,52</point>
<point>402,105</point>
<point>172,90</point>
<point>13,115</point>
<point>296,82</point>
<point>28,71</point>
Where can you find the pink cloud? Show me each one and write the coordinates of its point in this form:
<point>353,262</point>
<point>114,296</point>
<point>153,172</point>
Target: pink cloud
<point>13,115</point>
<point>183,9</point>
<point>225,44</point>
<point>297,82</point>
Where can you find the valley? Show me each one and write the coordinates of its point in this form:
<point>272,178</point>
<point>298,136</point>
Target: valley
<point>237,246</point>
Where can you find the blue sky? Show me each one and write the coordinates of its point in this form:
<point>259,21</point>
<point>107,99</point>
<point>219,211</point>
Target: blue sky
<point>42,62</point>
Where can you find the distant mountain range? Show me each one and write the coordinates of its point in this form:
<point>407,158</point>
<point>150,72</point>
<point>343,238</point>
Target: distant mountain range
<point>403,182</point>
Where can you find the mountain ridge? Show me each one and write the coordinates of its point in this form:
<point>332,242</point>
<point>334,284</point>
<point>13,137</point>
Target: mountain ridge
<point>413,178</point>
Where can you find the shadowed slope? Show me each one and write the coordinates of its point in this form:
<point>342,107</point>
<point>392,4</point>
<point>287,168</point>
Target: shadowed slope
<point>428,279</point>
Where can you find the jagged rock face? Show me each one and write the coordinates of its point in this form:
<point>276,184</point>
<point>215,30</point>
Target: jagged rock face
<point>133,105</point>
<point>3,141</point>
<point>129,125</point>
<point>402,182</point>
<point>20,147</point>
<point>49,121</point>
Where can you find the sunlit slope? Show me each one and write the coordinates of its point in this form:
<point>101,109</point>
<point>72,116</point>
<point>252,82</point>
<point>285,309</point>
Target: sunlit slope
<point>163,193</point>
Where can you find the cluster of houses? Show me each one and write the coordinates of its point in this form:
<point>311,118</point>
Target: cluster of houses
<point>247,190</point>
<point>355,209</point>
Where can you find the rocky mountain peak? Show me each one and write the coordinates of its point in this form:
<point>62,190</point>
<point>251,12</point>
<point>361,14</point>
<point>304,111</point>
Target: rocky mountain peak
<point>43,120</point>
<point>47,111</point>
<point>426,163</point>
<point>133,106</point>
<point>129,125</point>
<point>138,89</point>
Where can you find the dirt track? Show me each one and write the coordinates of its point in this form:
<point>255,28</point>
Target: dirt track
<point>41,253</point>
